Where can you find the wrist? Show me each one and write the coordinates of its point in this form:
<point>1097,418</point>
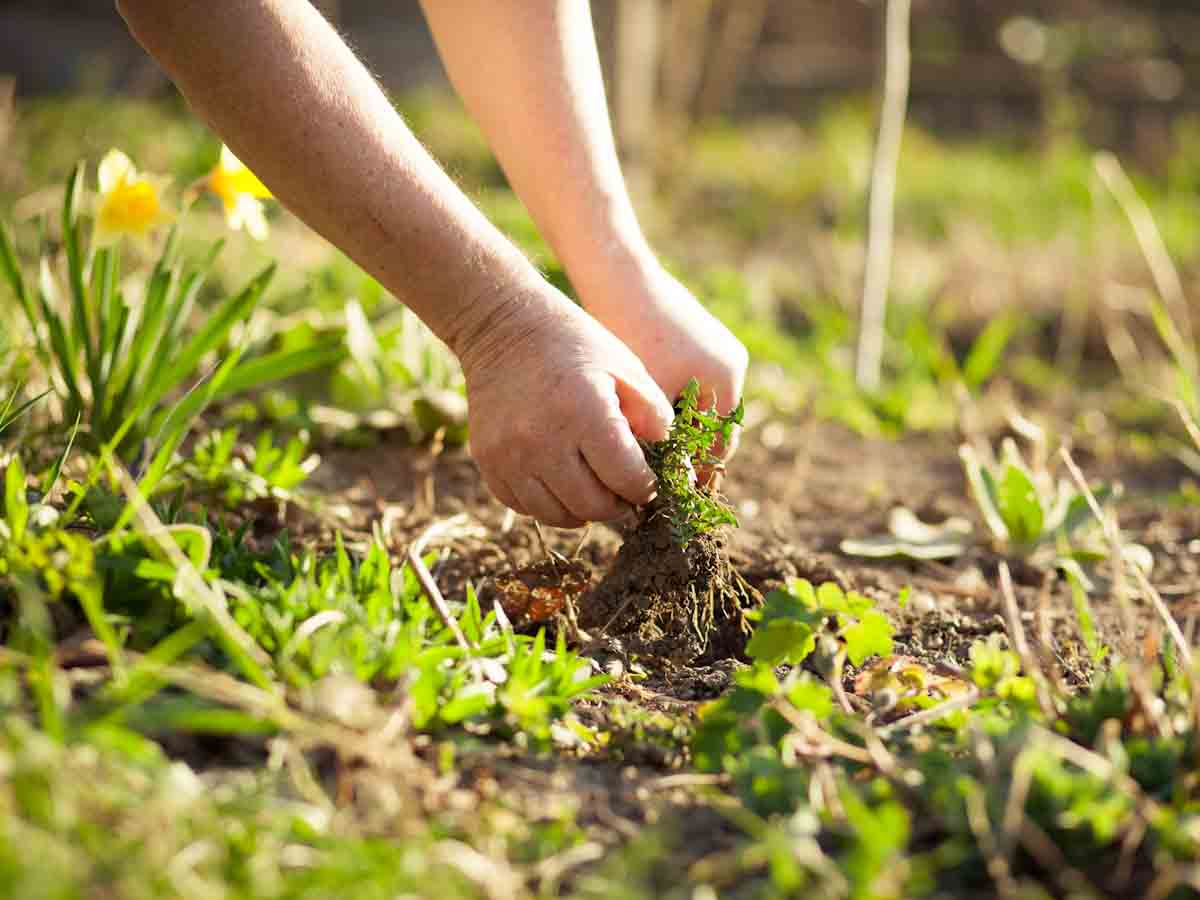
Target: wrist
<point>500,317</point>
<point>615,277</point>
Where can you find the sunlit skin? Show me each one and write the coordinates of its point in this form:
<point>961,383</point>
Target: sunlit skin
<point>559,396</point>
<point>129,204</point>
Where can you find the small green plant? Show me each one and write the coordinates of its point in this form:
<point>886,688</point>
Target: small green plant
<point>691,508</point>
<point>793,622</point>
<point>237,474</point>
<point>1030,511</point>
<point>399,373</point>
<point>319,617</point>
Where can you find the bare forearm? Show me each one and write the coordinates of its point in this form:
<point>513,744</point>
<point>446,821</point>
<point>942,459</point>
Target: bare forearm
<point>278,84</point>
<point>529,72</point>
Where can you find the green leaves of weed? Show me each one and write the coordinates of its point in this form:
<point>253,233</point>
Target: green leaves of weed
<point>791,622</point>
<point>692,509</point>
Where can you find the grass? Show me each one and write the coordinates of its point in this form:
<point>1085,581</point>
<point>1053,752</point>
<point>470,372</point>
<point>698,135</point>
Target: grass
<point>211,688</point>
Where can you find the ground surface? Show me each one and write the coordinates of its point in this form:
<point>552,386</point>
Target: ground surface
<point>800,488</point>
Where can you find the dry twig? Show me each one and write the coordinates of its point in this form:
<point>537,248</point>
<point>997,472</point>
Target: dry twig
<point>883,194</point>
<point>452,526</point>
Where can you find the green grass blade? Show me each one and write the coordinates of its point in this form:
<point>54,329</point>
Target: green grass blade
<point>51,478</point>
<point>11,269</point>
<point>142,681</point>
<point>177,314</point>
<point>7,417</point>
<point>60,344</point>
<point>283,364</point>
<point>988,350</point>
<point>174,427</point>
<point>216,329</point>
<point>103,291</point>
<point>196,716</point>
<point>16,507</point>
<point>81,314</point>
<point>146,337</point>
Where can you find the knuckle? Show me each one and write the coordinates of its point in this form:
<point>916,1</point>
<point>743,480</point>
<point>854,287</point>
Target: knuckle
<point>613,433</point>
<point>524,431</point>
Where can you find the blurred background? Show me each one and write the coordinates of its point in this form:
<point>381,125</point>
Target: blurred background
<point>1120,70</point>
<point>748,132</point>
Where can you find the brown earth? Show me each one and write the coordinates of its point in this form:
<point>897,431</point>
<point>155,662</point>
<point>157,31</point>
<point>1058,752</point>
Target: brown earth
<point>799,489</point>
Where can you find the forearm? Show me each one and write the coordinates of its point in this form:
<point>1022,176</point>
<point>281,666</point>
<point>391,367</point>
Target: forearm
<point>529,73</point>
<point>282,89</point>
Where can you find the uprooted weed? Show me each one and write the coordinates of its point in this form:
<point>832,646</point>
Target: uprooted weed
<point>691,508</point>
<point>672,592</point>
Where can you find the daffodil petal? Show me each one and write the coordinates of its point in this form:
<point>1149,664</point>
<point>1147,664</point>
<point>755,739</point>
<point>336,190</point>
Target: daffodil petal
<point>228,161</point>
<point>132,206</point>
<point>234,177</point>
<point>247,213</point>
<point>115,168</point>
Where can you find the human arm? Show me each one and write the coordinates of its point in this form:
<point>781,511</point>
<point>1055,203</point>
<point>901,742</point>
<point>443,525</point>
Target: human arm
<point>555,400</point>
<point>529,72</point>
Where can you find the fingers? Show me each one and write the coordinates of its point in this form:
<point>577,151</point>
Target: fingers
<point>644,405</point>
<point>582,493</point>
<point>614,455</point>
<point>712,475</point>
<point>541,503</point>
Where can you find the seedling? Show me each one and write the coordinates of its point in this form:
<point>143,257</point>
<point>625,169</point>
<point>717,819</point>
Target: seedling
<point>1028,510</point>
<point>239,474</point>
<point>692,509</point>
<point>796,623</point>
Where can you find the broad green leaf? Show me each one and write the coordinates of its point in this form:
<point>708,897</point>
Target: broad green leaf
<point>782,641</point>
<point>787,629</point>
<point>809,694</point>
<point>16,506</point>
<point>910,537</point>
<point>983,490</point>
<point>871,635</point>
<point>253,373</point>
<point>1019,505</point>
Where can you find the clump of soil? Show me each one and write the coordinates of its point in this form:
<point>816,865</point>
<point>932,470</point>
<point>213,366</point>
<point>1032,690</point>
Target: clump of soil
<point>684,605</point>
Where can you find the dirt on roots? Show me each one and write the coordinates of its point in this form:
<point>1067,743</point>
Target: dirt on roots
<point>681,605</point>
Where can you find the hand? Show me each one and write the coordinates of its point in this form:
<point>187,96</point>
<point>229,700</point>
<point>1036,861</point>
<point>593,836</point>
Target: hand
<point>557,404</point>
<point>674,335</point>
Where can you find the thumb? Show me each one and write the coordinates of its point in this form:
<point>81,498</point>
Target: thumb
<point>645,407</point>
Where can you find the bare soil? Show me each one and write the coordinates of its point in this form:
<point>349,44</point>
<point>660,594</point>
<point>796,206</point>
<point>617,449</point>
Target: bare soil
<point>799,489</point>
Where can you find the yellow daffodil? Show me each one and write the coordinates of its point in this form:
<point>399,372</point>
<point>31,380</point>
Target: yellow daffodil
<point>130,203</point>
<point>241,194</point>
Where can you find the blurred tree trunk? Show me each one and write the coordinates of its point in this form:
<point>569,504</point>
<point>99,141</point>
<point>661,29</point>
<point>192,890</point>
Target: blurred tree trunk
<point>637,46</point>
<point>735,43</point>
<point>685,37</point>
